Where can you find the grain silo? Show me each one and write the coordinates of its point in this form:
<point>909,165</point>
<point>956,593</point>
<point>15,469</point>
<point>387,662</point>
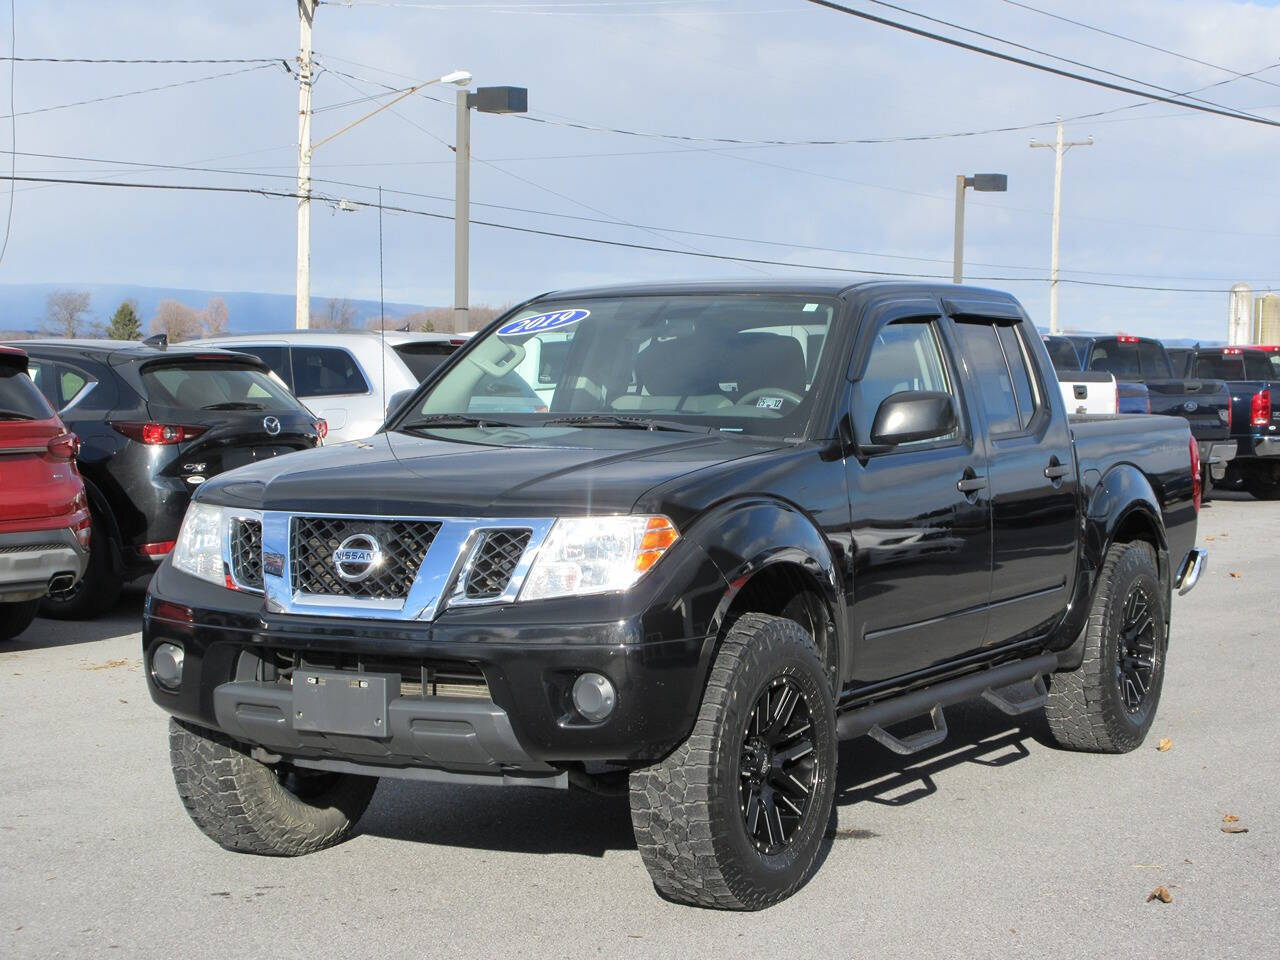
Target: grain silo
<point>1266,319</point>
<point>1240,315</point>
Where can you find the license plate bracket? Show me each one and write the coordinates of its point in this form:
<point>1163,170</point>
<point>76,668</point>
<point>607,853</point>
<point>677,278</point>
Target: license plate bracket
<point>352,704</point>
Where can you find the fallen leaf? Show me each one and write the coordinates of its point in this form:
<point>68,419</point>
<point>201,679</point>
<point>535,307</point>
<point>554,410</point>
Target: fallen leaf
<point>1230,818</point>
<point>1236,574</point>
<point>1164,744</point>
<point>1160,893</point>
<point>1232,828</point>
<point>1211,538</point>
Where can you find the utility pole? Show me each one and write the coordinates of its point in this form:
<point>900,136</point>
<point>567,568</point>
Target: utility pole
<point>462,214</point>
<point>306,16</point>
<point>957,268</point>
<point>1059,147</point>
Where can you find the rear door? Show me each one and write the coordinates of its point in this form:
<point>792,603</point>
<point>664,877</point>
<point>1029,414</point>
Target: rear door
<point>332,384</point>
<point>1031,468</point>
<point>920,514</point>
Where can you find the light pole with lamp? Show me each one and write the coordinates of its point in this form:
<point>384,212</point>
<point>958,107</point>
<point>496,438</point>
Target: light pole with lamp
<point>982,183</point>
<point>486,100</point>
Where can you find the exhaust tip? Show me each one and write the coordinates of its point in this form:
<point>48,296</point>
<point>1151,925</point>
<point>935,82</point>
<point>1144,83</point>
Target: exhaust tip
<point>61,581</point>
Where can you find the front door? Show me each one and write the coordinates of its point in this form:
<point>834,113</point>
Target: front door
<point>920,517</point>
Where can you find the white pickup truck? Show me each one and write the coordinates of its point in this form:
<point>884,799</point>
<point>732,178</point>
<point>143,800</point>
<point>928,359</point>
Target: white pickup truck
<point>1085,391</point>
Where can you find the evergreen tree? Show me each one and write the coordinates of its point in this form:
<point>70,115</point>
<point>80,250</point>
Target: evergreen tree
<point>125,324</point>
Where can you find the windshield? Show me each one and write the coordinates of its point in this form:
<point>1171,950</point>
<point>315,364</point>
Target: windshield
<point>741,363</point>
<point>215,386</point>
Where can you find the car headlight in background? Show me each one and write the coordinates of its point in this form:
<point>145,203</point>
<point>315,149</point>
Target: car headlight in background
<point>199,548</point>
<point>597,555</point>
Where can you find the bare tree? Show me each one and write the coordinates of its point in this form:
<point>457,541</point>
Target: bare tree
<point>336,315</point>
<point>64,313</point>
<point>176,320</point>
<point>213,318</point>
<point>428,320</point>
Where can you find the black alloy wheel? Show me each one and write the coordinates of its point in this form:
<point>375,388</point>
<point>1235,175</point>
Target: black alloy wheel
<point>1136,653</point>
<point>778,766</point>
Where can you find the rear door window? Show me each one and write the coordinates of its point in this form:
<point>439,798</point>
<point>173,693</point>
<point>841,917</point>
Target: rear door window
<point>326,372</point>
<point>19,397</point>
<point>984,354</point>
<point>214,386</point>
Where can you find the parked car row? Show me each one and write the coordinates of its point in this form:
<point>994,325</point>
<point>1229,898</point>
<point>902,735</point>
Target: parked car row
<point>136,428</point>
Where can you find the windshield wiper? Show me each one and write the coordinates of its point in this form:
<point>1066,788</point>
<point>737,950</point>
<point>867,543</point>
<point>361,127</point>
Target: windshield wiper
<point>622,422</point>
<point>452,420</point>
<point>234,405</point>
<point>15,415</point>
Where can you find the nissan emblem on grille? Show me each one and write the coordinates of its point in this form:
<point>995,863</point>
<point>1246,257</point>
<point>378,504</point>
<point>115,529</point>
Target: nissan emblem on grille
<point>357,557</point>
<point>271,425</point>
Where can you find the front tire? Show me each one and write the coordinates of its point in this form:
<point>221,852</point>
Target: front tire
<point>249,807</point>
<point>16,617</point>
<point>1108,703</point>
<point>734,817</point>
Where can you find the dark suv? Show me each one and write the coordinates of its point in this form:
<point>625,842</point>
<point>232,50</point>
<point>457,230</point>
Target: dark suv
<point>154,424</point>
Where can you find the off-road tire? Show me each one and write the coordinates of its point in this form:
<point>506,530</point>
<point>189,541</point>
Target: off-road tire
<point>16,617</point>
<point>98,591</point>
<point>242,805</point>
<point>686,810</point>
<point>1086,710</point>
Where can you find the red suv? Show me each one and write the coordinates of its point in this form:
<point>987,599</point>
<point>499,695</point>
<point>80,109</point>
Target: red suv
<point>44,517</point>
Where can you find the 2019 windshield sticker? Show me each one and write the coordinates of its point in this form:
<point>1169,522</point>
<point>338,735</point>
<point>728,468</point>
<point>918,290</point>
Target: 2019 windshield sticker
<point>542,322</point>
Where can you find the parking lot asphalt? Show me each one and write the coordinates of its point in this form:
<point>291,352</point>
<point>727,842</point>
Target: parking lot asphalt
<point>994,844</point>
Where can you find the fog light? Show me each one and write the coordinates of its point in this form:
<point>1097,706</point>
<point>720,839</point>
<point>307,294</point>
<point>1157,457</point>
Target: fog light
<point>594,696</point>
<point>166,666</point>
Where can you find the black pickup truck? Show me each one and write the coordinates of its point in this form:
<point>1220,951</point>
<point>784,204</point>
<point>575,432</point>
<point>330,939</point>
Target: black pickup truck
<point>756,519</point>
<point>1252,374</point>
<point>1143,362</point>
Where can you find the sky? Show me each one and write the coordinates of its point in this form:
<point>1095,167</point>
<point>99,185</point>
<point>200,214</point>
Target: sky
<point>1165,197</point>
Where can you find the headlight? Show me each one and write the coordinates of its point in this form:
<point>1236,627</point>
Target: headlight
<point>199,548</point>
<point>597,555</point>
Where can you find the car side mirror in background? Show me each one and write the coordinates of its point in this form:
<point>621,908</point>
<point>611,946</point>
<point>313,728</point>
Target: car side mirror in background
<point>398,400</point>
<point>912,416</point>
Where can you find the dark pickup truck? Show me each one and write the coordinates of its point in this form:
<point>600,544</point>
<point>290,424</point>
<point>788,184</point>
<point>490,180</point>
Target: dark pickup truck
<point>1253,375</point>
<point>1140,362</point>
<point>757,518</point>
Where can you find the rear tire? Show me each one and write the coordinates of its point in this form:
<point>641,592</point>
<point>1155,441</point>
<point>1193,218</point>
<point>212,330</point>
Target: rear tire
<point>1262,487</point>
<point>716,821</point>
<point>97,591</point>
<point>1108,703</point>
<point>247,806</point>
<point>16,617</point>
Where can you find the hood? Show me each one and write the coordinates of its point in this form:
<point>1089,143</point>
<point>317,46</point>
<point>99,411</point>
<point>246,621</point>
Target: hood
<point>513,472</point>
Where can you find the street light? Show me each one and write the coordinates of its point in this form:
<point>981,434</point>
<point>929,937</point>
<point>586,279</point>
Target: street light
<point>486,100</point>
<point>982,183</point>
<point>306,148</point>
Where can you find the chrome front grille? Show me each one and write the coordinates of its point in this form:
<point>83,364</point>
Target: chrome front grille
<point>495,560</point>
<point>402,544</point>
<point>246,553</point>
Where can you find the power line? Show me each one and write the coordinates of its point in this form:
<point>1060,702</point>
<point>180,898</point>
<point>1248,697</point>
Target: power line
<point>1042,67</point>
<point>134,93</point>
<point>142,60</point>
<point>1052,56</point>
<point>601,241</point>
<point>1141,43</point>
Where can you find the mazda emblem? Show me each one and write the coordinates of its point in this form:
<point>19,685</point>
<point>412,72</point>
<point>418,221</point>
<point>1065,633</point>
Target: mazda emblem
<point>271,425</point>
<point>357,558</point>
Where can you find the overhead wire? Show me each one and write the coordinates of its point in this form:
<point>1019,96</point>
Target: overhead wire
<point>13,126</point>
<point>602,241</point>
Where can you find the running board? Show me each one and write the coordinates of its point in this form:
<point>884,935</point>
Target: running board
<point>1013,687</point>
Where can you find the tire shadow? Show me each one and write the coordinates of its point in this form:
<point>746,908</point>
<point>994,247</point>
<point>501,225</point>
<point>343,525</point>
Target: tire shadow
<point>124,619</point>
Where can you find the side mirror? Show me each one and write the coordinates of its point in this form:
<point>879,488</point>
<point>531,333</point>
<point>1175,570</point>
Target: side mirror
<point>398,400</point>
<point>912,416</point>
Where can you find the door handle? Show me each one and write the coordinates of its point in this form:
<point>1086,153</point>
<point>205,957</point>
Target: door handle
<point>1057,471</point>
<point>971,484</point>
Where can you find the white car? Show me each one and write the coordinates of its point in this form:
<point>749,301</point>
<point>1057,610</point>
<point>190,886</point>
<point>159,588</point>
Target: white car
<point>347,378</point>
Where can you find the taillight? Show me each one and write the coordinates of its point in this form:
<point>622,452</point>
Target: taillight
<point>158,434</point>
<point>65,447</point>
<point>322,428</point>
<point>1260,408</point>
<point>1197,482</point>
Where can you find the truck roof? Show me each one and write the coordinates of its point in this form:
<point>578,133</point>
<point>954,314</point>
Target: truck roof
<point>818,286</point>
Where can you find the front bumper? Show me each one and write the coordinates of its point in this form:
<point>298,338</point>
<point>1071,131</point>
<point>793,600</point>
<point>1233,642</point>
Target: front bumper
<point>524,729</point>
<point>31,561</point>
